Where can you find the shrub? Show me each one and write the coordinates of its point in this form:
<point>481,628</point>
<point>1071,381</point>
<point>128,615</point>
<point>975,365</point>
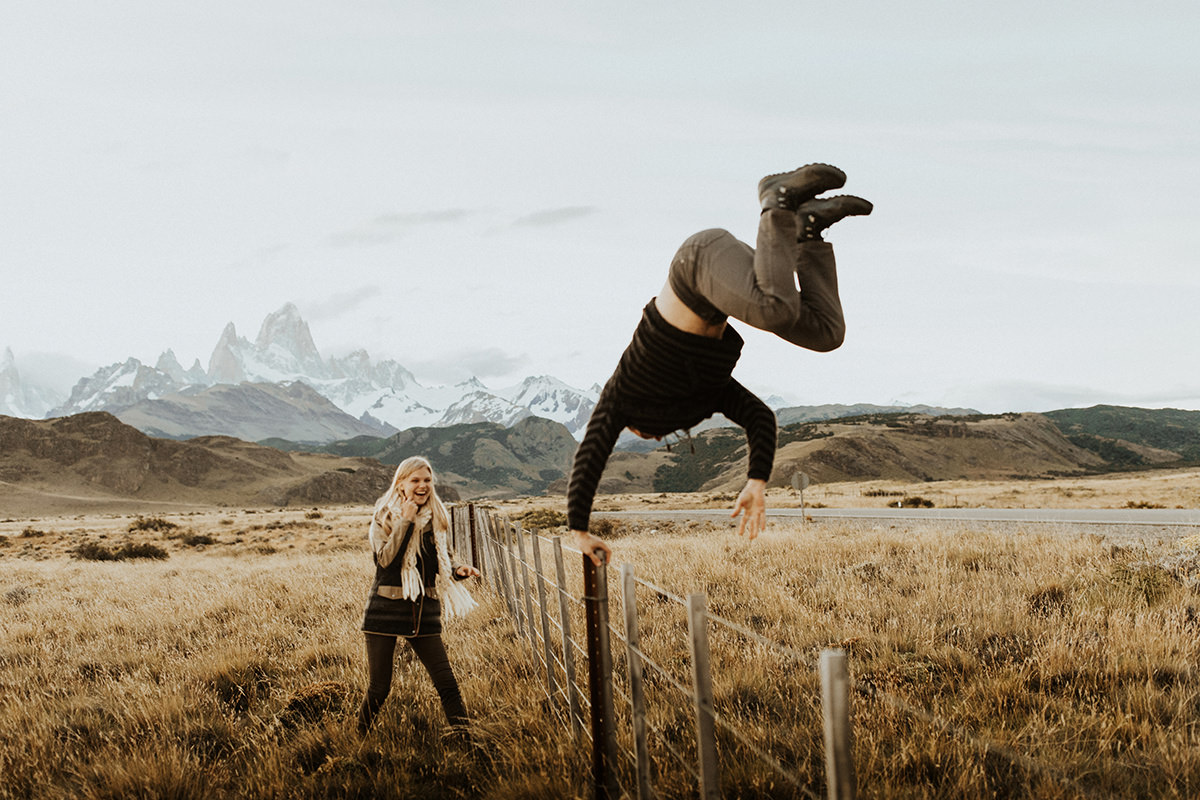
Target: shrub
<point>29,533</point>
<point>94,551</point>
<point>543,518</point>
<point>151,524</point>
<point>916,502</point>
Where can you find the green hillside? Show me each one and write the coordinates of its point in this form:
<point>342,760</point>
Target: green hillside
<point>1102,429</point>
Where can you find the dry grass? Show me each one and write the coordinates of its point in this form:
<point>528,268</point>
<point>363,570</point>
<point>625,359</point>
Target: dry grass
<point>234,667</point>
<point>1175,488</point>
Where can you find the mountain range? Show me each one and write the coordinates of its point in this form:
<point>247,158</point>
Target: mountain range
<point>93,460</point>
<point>280,387</point>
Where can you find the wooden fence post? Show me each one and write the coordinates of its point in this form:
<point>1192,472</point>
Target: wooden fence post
<point>706,742</point>
<point>547,647</point>
<point>512,580</point>
<point>636,693</point>
<point>604,738</point>
<point>835,705</point>
<point>504,562</point>
<point>528,592</point>
<point>477,558</point>
<point>568,644</point>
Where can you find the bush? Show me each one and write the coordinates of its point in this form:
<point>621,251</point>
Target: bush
<point>543,518</point>
<point>916,502</point>
<point>29,533</point>
<point>151,524</point>
<point>94,551</point>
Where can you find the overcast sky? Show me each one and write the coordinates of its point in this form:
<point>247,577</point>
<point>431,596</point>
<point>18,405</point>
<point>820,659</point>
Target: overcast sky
<point>497,188</point>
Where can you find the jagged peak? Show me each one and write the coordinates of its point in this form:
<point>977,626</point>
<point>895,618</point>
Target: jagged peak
<point>228,335</point>
<point>167,361</point>
<point>9,359</point>
<point>287,329</point>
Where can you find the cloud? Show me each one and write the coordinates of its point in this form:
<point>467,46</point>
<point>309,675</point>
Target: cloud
<point>391,227</point>
<point>491,362</point>
<point>338,304</point>
<point>56,371</point>
<point>1019,395</point>
<point>554,216</point>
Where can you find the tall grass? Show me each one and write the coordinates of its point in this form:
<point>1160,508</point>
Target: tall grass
<point>238,673</point>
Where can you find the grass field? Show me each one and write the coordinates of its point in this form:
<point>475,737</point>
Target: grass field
<point>233,665</point>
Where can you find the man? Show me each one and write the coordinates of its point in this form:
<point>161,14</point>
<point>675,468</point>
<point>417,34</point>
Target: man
<point>677,370</point>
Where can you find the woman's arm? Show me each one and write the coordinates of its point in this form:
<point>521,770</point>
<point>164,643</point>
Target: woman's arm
<point>388,539</point>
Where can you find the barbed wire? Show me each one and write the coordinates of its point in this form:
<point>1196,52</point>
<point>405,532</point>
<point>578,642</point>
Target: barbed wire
<point>984,745</point>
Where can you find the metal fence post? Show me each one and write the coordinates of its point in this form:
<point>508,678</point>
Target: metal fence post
<point>636,692</point>
<point>706,743</point>
<point>604,738</point>
<point>568,644</point>
<point>835,705</point>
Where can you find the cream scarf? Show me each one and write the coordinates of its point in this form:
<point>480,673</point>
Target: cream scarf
<point>456,600</point>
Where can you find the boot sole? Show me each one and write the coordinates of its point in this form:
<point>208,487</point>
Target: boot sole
<point>816,178</point>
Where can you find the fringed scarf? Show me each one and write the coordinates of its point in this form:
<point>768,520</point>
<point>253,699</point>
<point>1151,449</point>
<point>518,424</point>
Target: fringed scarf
<point>456,600</point>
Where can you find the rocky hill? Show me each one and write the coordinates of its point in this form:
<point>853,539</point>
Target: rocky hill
<point>252,411</point>
<point>482,459</point>
<point>909,447</point>
<point>93,460</point>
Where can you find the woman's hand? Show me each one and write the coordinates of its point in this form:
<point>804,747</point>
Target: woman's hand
<point>593,547</point>
<point>753,501</point>
<point>466,571</point>
<point>408,508</point>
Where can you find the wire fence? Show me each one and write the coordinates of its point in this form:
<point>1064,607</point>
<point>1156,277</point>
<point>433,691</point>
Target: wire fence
<point>648,711</point>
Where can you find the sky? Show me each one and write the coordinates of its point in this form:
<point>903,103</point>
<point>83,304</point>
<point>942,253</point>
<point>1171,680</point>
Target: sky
<point>496,189</point>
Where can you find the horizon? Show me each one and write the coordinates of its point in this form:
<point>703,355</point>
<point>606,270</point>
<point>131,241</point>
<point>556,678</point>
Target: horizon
<point>508,211</point>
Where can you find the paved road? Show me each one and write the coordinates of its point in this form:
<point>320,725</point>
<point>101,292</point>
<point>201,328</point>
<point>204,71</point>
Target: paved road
<point>1102,516</point>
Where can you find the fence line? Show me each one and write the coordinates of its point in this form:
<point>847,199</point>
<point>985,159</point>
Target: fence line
<point>486,538</point>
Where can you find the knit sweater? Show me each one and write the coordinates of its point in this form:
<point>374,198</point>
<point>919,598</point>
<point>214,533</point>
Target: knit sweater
<point>668,380</point>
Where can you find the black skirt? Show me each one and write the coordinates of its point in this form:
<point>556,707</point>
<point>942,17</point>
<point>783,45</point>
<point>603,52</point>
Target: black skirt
<point>387,617</point>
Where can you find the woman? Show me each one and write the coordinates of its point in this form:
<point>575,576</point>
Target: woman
<point>415,582</point>
<point>677,371</point>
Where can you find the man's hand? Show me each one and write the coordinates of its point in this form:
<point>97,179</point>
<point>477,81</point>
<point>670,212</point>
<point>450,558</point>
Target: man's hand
<point>466,571</point>
<point>593,547</point>
<point>753,501</point>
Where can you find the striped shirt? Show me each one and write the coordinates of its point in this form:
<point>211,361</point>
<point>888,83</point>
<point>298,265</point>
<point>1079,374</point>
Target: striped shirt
<point>668,380</point>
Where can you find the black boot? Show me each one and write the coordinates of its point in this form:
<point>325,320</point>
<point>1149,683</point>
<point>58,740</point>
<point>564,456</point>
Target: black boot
<point>815,215</point>
<point>790,189</point>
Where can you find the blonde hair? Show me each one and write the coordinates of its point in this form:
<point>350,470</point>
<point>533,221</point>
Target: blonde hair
<point>387,506</point>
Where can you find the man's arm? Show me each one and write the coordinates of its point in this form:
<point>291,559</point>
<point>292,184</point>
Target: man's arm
<point>744,408</point>
<point>603,428</point>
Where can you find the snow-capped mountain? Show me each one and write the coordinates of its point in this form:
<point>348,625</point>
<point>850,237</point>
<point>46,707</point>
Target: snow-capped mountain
<point>21,399</point>
<point>550,398</point>
<point>380,394</point>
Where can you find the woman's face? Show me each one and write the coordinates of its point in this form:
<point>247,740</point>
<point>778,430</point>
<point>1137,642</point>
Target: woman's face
<point>418,486</point>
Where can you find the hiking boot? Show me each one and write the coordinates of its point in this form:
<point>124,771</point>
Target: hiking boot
<point>817,214</point>
<point>790,189</point>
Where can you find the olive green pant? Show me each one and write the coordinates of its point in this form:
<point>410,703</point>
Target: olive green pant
<point>718,276</point>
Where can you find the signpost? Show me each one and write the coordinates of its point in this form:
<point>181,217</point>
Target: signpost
<point>800,482</point>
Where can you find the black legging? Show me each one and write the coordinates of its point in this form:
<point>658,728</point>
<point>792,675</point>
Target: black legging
<point>381,651</point>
